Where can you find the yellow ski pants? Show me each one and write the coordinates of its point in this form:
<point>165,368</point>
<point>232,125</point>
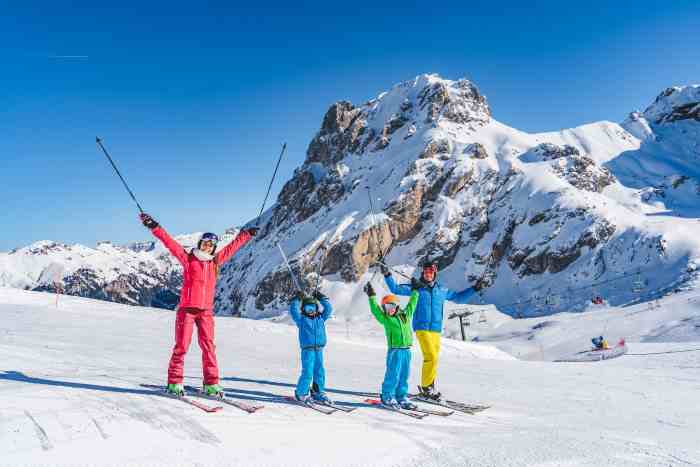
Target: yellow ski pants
<point>430,347</point>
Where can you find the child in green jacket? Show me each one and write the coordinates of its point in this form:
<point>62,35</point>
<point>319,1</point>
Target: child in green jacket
<point>399,337</point>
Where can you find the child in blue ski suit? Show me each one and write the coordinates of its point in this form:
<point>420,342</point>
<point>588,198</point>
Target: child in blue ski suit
<point>311,321</point>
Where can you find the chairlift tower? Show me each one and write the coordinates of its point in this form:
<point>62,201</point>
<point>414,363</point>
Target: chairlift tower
<point>463,315</point>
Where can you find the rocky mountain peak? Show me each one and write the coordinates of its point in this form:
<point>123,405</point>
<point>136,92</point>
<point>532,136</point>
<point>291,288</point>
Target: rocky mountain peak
<point>397,114</point>
<point>674,104</point>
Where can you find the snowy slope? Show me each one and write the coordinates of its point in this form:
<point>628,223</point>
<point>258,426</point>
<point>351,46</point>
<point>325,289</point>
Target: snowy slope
<point>524,217</point>
<point>70,394</point>
<point>673,319</point>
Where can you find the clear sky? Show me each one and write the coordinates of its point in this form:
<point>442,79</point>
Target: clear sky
<point>194,101</point>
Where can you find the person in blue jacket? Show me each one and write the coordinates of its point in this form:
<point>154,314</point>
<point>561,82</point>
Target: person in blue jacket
<point>311,321</point>
<point>427,320</point>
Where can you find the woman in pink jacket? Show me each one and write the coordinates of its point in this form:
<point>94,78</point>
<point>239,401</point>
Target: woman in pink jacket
<point>196,307</point>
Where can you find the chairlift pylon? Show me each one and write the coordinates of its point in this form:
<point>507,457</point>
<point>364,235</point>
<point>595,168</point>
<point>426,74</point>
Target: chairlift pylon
<point>638,283</point>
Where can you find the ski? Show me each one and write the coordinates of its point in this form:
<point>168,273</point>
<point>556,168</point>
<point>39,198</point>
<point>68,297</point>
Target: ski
<point>327,410</point>
<point>439,413</point>
<point>159,390</point>
<point>458,406</point>
<point>197,392</point>
<point>335,406</point>
<point>409,413</point>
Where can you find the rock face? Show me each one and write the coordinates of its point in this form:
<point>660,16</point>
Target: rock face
<point>578,170</point>
<point>675,104</point>
<point>511,213</point>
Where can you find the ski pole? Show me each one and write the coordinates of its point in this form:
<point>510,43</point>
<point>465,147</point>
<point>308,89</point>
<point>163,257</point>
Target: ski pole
<point>291,272</point>
<point>377,238</point>
<point>99,143</point>
<point>269,187</point>
<point>380,262</point>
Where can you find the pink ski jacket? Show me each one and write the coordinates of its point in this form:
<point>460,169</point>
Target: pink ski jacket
<point>199,277</point>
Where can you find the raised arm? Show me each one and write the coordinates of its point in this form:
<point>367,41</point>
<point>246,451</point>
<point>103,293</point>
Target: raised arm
<point>412,302</point>
<point>295,310</point>
<point>402,289</point>
<point>376,310</point>
<point>327,307</point>
<point>373,305</point>
<point>241,239</point>
<point>461,296</point>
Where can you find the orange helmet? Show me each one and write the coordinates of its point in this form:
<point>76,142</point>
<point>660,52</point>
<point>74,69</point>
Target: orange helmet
<point>391,298</point>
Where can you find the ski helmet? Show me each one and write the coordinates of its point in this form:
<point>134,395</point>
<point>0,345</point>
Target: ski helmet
<point>430,265</point>
<point>208,237</point>
<point>390,298</point>
<point>393,301</point>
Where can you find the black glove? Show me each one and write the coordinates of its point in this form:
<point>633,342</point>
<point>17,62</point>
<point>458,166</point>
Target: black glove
<point>417,284</point>
<point>369,290</point>
<point>318,295</point>
<point>252,231</point>
<point>384,269</point>
<point>148,221</point>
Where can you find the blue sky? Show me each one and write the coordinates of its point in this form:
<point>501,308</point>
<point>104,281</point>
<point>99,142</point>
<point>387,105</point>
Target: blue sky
<point>195,101</point>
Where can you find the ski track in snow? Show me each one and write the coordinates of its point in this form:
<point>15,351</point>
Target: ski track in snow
<point>70,393</point>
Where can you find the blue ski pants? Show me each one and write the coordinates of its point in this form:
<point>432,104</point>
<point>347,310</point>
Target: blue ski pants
<point>398,368</point>
<point>311,369</point>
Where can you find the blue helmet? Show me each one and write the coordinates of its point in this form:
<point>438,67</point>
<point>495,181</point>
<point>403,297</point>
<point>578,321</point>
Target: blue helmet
<point>208,237</point>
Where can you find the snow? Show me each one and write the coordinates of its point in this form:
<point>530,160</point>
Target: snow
<point>70,394</point>
<point>670,100</point>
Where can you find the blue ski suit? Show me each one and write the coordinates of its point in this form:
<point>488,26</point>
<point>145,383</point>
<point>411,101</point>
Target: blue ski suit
<point>312,340</point>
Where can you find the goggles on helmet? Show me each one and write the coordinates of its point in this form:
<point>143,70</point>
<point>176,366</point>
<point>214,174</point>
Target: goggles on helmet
<point>210,237</point>
<point>390,308</point>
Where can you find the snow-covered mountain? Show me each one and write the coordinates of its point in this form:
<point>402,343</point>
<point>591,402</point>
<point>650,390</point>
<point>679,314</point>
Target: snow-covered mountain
<point>141,273</point>
<point>538,222</point>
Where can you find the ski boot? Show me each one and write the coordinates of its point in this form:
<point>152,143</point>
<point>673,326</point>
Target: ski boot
<point>314,389</point>
<point>321,397</point>
<point>213,390</point>
<point>175,389</point>
<point>390,403</point>
<point>407,405</point>
<point>429,392</point>
<point>305,399</point>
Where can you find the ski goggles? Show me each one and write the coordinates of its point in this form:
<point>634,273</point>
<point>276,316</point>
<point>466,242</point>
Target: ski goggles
<point>210,237</point>
<point>310,308</point>
<point>390,308</point>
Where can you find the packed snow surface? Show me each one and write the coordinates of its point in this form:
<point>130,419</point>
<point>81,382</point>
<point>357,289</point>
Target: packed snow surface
<point>71,376</point>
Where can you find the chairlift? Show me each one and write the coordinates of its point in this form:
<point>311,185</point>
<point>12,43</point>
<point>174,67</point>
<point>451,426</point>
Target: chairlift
<point>551,299</point>
<point>638,283</point>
